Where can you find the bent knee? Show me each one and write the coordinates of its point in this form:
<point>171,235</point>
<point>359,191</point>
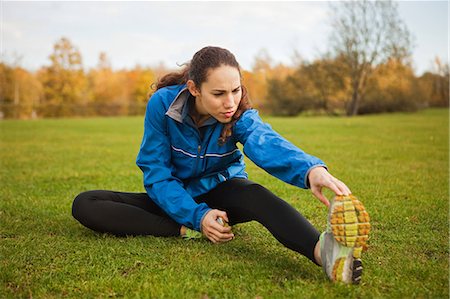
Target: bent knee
<point>262,196</point>
<point>82,201</point>
<point>259,190</point>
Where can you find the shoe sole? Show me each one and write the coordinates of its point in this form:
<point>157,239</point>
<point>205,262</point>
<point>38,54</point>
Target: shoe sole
<point>350,226</point>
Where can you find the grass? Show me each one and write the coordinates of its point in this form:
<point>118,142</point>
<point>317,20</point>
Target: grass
<point>397,164</point>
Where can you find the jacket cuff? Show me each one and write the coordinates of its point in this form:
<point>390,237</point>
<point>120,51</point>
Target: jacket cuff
<point>309,170</point>
<point>198,226</point>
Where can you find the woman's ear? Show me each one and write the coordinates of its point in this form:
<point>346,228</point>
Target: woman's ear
<point>192,88</point>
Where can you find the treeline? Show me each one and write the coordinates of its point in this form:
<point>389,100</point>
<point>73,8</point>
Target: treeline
<point>65,88</point>
<point>323,87</point>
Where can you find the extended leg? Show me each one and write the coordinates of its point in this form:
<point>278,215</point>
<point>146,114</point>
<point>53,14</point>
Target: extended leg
<point>244,201</point>
<point>121,214</point>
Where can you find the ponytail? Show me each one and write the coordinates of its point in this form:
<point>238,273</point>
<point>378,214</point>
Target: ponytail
<point>173,78</point>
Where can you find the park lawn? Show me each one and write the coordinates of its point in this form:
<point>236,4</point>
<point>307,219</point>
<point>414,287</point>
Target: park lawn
<point>397,164</point>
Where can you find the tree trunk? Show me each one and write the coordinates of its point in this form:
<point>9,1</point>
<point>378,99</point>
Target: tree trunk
<point>352,108</point>
<point>358,92</point>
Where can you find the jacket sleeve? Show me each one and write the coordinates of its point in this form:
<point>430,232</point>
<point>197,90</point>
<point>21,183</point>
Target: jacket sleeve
<point>273,153</point>
<point>154,159</point>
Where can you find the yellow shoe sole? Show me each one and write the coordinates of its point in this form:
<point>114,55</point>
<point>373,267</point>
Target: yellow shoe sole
<point>350,222</point>
<point>350,225</point>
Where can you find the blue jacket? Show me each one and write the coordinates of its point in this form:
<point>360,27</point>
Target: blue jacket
<point>180,161</point>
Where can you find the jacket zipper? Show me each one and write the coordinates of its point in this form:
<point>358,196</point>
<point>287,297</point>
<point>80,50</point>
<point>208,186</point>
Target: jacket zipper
<point>199,149</point>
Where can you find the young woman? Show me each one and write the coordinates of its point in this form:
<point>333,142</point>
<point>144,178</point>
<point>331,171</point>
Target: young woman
<point>195,177</point>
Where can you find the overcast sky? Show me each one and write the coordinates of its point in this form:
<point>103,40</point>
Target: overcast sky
<point>148,33</point>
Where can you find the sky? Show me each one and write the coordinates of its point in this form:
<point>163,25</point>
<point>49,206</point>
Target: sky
<point>149,33</point>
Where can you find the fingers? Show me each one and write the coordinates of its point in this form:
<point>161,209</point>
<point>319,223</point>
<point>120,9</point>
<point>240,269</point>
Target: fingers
<point>319,178</point>
<point>215,231</point>
<point>219,234</point>
<point>219,238</point>
<point>337,186</point>
<point>318,193</point>
<point>223,215</point>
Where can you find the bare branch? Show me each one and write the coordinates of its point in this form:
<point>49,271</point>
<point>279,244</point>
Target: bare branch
<point>366,34</point>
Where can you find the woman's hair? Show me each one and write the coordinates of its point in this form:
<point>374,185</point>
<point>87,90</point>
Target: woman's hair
<point>197,70</point>
<point>244,105</point>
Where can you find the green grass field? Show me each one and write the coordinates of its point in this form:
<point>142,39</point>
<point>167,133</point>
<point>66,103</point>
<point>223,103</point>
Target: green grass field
<point>397,164</point>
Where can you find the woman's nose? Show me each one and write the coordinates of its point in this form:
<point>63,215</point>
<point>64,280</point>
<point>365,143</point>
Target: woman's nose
<point>229,101</point>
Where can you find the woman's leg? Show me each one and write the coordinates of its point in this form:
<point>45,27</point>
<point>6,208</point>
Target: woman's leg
<point>244,200</point>
<point>121,214</point>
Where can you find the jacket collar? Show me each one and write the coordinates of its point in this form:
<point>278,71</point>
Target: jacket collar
<point>179,109</point>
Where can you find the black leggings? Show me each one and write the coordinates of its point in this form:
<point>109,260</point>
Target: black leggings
<point>123,214</point>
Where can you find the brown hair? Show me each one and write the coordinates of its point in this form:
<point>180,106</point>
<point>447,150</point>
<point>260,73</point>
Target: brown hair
<point>197,70</point>
<point>244,105</point>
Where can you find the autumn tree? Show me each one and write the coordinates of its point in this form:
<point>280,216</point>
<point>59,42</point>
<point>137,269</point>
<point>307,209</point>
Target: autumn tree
<point>314,86</point>
<point>367,33</point>
<point>392,87</point>
<point>256,79</point>
<point>7,90</point>
<point>435,84</point>
<point>263,73</point>
<point>140,89</point>
<point>256,85</point>
<point>104,88</point>
<point>102,81</point>
<point>64,81</point>
<point>20,92</point>
<point>327,86</point>
<point>283,95</point>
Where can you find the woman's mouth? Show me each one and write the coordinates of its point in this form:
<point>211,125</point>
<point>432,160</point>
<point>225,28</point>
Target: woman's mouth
<point>228,114</point>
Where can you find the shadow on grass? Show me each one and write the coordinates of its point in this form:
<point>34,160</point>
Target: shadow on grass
<point>255,254</point>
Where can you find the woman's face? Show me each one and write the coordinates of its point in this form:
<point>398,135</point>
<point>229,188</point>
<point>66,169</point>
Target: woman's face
<point>220,94</point>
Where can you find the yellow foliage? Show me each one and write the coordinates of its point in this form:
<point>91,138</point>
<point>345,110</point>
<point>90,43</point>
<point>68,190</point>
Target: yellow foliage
<point>20,92</point>
<point>63,88</point>
<point>392,87</point>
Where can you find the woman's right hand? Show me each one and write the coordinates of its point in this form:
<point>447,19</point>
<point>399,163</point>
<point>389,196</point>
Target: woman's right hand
<point>213,230</point>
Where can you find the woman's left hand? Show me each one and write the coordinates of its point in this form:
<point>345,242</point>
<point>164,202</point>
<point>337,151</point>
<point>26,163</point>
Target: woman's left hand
<point>319,177</point>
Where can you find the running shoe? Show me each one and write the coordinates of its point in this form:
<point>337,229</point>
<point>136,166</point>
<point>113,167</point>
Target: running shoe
<point>346,237</point>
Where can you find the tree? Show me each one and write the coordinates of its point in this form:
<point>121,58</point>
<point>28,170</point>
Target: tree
<point>141,90</point>
<point>392,87</point>
<point>262,62</point>
<point>64,81</point>
<point>327,84</point>
<point>317,86</point>
<point>103,88</point>
<point>289,96</point>
<point>366,34</point>
<point>257,81</point>
<point>436,84</point>
<point>441,84</point>
<point>20,92</point>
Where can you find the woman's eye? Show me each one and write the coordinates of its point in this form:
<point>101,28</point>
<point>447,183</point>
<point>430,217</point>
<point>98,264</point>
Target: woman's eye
<point>236,90</point>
